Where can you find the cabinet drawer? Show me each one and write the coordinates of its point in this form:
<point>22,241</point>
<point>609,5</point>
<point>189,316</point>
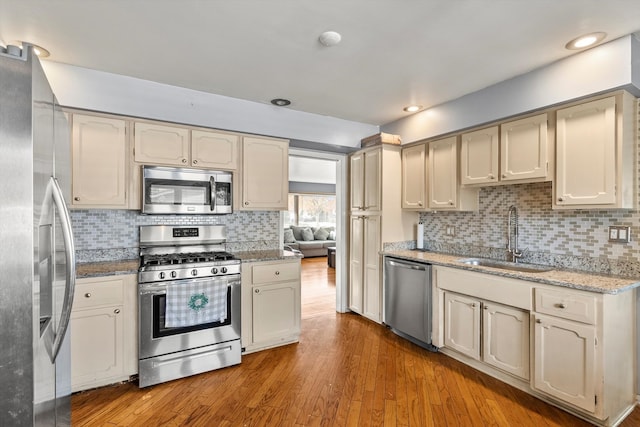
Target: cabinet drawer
<point>271,273</point>
<point>566,304</point>
<point>98,293</point>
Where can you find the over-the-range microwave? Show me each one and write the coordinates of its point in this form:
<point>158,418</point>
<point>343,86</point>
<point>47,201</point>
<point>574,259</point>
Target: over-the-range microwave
<point>167,190</point>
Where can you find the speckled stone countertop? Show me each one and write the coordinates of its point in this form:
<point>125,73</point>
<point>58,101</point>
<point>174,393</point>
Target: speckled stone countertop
<point>603,284</point>
<point>109,268</point>
<point>267,255</point>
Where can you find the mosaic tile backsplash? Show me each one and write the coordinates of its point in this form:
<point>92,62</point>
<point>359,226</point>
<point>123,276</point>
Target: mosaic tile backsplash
<point>109,235</point>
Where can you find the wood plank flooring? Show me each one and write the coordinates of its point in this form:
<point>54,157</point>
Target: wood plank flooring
<point>345,371</point>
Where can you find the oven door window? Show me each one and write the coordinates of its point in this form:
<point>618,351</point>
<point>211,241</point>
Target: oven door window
<point>174,192</point>
<point>159,329</point>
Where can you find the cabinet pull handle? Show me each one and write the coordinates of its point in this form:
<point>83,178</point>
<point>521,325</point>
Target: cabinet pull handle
<point>87,295</point>
<point>195,162</point>
<point>561,305</point>
<point>277,273</point>
<point>77,199</point>
<point>257,291</point>
<point>116,311</point>
<point>184,160</point>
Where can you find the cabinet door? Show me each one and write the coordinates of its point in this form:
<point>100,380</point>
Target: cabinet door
<point>372,281</point>
<point>356,264</point>
<point>276,311</point>
<point>479,156</point>
<point>163,145</point>
<point>373,180</point>
<point>462,324</point>
<point>443,173</point>
<point>585,158</point>
<point>564,361</point>
<point>414,177</point>
<point>214,150</point>
<point>265,173</point>
<point>357,182</point>
<point>97,350</point>
<point>99,148</point>
<point>524,149</point>
<point>505,338</point>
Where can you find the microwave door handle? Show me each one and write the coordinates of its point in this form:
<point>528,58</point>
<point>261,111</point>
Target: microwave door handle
<point>67,236</point>
<point>212,184</point>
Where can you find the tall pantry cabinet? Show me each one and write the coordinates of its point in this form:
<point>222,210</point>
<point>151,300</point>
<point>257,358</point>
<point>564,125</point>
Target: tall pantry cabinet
<point>376,217</point>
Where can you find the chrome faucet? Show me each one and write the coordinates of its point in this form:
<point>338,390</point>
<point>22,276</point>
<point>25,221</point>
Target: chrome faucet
<point>512,235</point>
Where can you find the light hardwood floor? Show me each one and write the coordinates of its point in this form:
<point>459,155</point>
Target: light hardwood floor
<point>345,371</point>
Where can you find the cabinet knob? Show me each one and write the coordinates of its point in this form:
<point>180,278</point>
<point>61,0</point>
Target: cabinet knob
<point>450,202</point>
<point>116,311</point>
<point>195,162</point>
<point>504,175</point>
<point>257,291</point>
<point>77,199</point>
<point>419,203</point>
<point>87,295</point>
<point>561,199</point>
<point>473,304</point>
<point>246,203</point>
<point>538,320</point>
<point>486,307</point>
<point>491,176</point>
<point>277,273</point>
<point>561,305</point>
<point>184,160</point>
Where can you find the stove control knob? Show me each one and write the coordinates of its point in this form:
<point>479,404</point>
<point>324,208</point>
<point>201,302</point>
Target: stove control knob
<point>162,275</point>
<point>224,269</point>
<point>174,274</point>
<point>214,270</point>
<point>194,272</point>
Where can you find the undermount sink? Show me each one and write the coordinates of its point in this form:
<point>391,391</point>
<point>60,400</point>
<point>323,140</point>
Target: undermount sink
<point>525,268</point>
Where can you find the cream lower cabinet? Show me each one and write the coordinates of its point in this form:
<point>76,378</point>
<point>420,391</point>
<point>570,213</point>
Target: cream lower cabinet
<point>365,272</point>
<point>270,304</point>
<point>99,162</point>
<point>265,174</point>
<point>104,331</point>
<point>573,348</point>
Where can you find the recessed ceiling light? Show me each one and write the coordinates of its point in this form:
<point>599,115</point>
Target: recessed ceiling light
<point>412,108</point>
<point>330,38</point>
<point>280,102</point>
<point>38,50</point>
<point>585,41</point>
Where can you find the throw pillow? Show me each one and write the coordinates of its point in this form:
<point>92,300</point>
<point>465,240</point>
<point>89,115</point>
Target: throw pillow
<point>307,234</point>
<point>321,234</point>
<point>288,236</point>
<point>332,235</point>
<point>297,232</point>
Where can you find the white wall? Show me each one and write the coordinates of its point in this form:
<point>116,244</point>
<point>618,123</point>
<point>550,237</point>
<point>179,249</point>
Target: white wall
<point>111,93</point>
<point>612,65</point>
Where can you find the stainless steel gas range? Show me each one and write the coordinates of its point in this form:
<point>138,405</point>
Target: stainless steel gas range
<point>189,302</point>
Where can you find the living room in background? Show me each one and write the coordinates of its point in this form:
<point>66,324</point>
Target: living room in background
<point>312,210</point>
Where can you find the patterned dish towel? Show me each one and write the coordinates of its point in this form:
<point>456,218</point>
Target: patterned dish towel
<point>195,303</point>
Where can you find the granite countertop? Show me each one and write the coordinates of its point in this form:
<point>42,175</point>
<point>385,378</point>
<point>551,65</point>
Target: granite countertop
<point>604,284</point>
<point>266,255</point>
<point>108,268</point>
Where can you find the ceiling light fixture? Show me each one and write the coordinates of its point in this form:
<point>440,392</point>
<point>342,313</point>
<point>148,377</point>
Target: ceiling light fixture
<point>330,38</point>
<point>412,108</point>
<point>280,102</point>
<point>38,50</point>
<point>585,41</point>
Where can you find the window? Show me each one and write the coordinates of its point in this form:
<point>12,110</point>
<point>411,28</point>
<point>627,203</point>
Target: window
<point>313,210</point>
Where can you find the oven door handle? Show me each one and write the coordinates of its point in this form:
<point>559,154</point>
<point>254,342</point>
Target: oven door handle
<point>212,184</point>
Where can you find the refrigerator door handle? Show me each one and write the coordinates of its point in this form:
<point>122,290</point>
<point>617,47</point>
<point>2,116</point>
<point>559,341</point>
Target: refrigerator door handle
<point>70,254</point>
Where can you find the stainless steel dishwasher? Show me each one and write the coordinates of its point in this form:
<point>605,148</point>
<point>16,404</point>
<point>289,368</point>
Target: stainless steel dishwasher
<point>407,300</point>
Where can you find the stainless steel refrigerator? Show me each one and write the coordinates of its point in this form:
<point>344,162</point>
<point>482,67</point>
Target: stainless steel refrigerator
<point>36,248</point>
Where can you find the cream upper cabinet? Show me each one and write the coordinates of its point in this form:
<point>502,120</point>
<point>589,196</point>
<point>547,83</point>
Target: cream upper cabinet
<point>366,185</point>
<point>479,156</point>
<point>595,154</point>
<point>99,161</point>
<point>270,304</point>
<point>214,150</point>
<point>414,177</point>
<point>265,174</point>
<point>444,189</point>
<point>515,151</point>
<point>160,144</point>
<point>524,149</point>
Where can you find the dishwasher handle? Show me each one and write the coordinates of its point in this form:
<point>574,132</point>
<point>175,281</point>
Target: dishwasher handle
<point>403,264</point>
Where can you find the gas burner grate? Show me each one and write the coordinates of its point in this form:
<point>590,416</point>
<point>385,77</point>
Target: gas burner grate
<point>185,258</point>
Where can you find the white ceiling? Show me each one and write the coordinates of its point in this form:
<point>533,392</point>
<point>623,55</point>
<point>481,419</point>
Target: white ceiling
<point>393,52</point>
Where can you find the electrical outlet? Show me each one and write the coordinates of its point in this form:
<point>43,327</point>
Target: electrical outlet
<point>619,234</point>
<point>451,231</point>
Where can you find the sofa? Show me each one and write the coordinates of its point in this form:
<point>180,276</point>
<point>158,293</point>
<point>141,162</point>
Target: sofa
<point>311,241</point>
